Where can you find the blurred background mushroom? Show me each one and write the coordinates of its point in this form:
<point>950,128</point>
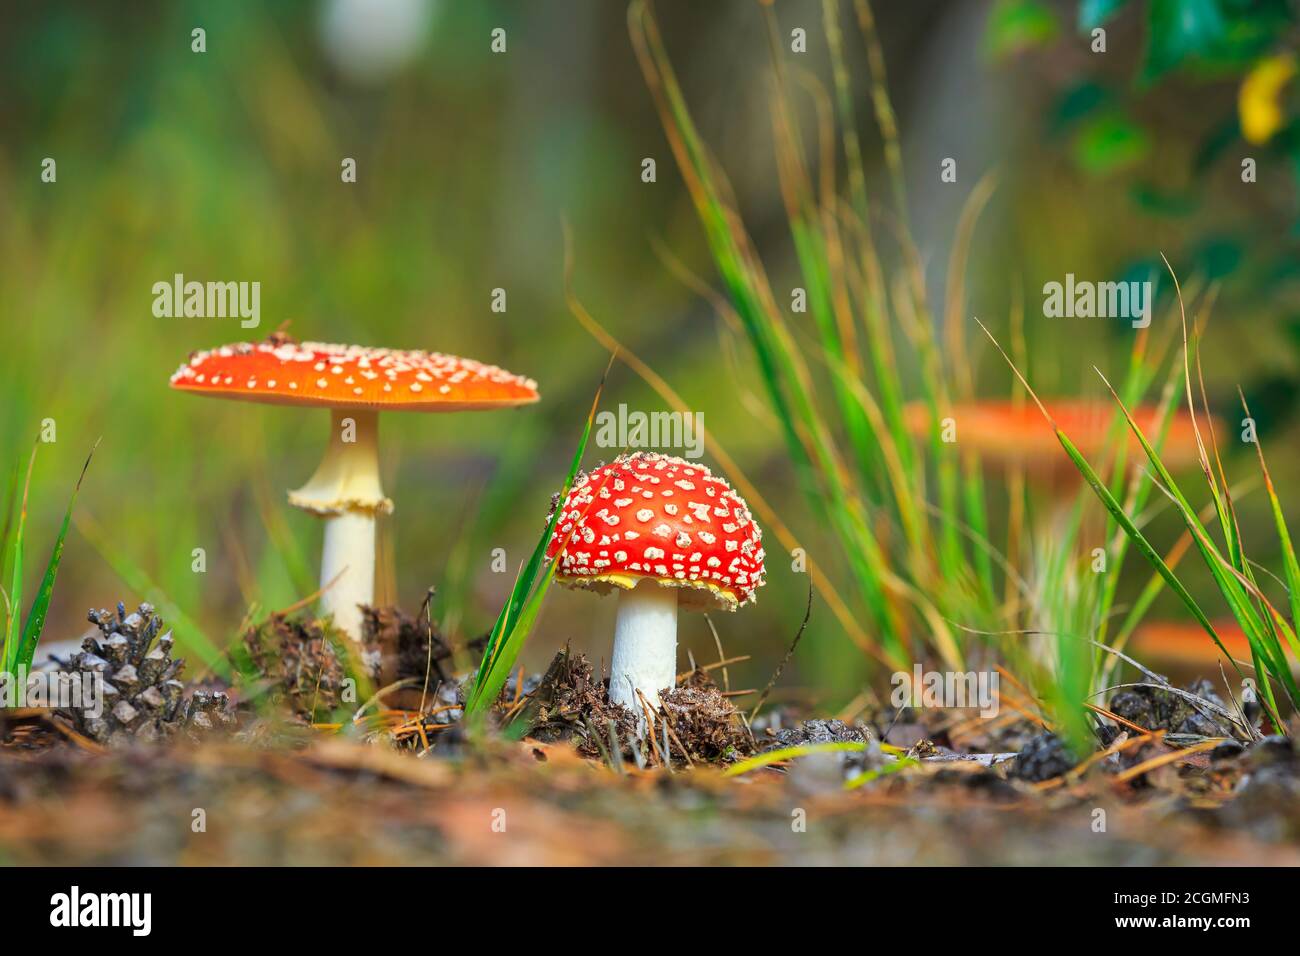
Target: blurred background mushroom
<point>1005,434</point>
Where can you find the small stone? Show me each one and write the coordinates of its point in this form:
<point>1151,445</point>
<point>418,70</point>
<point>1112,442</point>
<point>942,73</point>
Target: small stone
<point>1043,758</point>
<point>1277,750</point>
<point>1228,750</point>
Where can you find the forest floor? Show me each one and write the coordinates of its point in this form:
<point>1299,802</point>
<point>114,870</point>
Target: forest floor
<point>402,784</point>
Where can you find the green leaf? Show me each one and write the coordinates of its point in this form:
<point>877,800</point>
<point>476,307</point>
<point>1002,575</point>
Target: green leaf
<point>1164,202</point>
<point>1179,30</point>
<point>1018,25</point>
<point>1079,101</point>
<point>1109,143</point>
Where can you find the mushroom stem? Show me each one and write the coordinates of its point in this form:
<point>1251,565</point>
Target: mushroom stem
<point>645,646</point>
<point>346,492</point>
<point>349,551</point>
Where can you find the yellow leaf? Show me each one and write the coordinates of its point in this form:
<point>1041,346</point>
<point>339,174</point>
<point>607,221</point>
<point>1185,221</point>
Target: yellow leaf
<point>1259,100</point>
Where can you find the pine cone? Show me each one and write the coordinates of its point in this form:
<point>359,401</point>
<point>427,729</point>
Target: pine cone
<point>143,697</point>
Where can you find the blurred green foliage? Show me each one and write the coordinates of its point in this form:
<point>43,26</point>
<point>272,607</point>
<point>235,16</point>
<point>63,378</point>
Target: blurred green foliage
<point>1160,104</point>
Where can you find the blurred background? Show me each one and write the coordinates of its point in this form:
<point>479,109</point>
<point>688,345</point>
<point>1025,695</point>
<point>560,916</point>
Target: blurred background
<point>225,165</point>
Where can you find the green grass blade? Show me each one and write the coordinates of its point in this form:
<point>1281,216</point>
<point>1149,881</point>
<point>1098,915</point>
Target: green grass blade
<point>520,611</point>
<point>1233,584</point>
<point>12,633</point>
<point>512,644</point>
<point>1290,567</point>
<point>189,635</point>
<point>11,506</point>
<point>789,753</point>
<point>867,776</point>
<point>41,606</point>
<point>1113,506</point>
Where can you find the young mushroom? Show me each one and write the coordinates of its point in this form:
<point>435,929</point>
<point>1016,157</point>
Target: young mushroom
<point>355,383</point>
<point>662,533</point>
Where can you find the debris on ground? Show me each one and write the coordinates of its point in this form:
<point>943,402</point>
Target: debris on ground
<point>704,723</point>
<point>698,724</point>
<point>1159,708</point>
<point>1267,802</point>
<point>302,663</point>
<point>410,649</point>
<point>1043,757</point>
<point>817,732</point>
<point>398,777</point>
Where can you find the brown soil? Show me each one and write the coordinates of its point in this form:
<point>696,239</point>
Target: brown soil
<point>337,799</point>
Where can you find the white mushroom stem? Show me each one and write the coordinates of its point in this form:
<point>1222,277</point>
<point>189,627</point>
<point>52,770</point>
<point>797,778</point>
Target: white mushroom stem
<point>347,493</point>
<point>349,555</point>
<point>645,646</point>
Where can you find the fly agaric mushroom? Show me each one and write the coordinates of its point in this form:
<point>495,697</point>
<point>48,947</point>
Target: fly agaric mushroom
<point>662,533</point>
<point>355,383</point>
<point>1008,436</point>
<point>1185,644</point>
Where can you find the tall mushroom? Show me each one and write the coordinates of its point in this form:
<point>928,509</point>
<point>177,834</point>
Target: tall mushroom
<point>355,383</point>
<point>662,533</point>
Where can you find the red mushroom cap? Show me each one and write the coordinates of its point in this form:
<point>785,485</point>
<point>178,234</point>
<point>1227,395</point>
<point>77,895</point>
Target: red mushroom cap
<point>1185,642</point>
<point>654,517</point>
<point>1005,434</point>
<point>284,372</point>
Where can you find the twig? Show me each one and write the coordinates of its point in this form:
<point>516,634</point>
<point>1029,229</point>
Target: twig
<point>428,663</point>
<point>650,725</point>
<point>705,668</point>
<point>600,744</point>
<point>722,657</point>
<point>615,747</point>
<point>311,598</point>
<point>396,685</point>
<point>762,698</point>
<point>1160,761</point>
<point>1119,720</point>
<point>670,729</point>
